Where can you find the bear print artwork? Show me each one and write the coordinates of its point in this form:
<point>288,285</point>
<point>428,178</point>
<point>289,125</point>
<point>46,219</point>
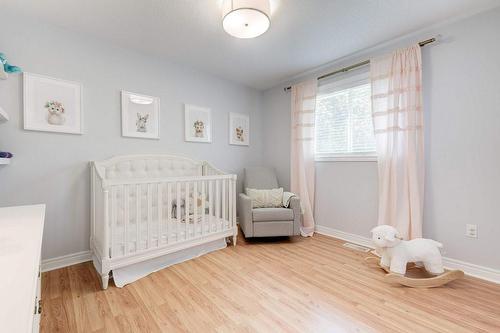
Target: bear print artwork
<point>142,122</point>
<point>197,123</point>
<point>56,113</point>
<point>239,129</point>
<point>199,129</point>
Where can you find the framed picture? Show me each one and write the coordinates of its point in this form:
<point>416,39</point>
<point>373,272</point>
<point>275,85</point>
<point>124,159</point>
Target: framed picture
<point>197,123</point>
<point>52,105</point>
<point>239,129</point>
<point>140,116</point>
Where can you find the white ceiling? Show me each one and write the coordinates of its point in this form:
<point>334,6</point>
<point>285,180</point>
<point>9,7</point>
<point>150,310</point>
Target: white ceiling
<point>303,33</point>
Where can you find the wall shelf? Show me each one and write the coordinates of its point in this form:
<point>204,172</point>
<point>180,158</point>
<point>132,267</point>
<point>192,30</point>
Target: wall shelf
<point>4,161</point>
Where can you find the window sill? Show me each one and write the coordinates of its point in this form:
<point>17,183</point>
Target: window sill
<point>346,158</point>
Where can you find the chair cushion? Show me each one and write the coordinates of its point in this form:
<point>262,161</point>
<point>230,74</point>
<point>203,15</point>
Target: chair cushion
<point>266,198</point>
<point>272,214</point>
<point>260,178</point>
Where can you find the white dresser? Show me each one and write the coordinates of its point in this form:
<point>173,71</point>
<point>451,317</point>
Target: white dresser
<point>21,230</point>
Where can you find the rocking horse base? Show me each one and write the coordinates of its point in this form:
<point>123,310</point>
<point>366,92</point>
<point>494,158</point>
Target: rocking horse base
<point>418,277</point>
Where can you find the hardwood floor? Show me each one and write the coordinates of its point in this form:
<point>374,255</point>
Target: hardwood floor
<point>285,285</point>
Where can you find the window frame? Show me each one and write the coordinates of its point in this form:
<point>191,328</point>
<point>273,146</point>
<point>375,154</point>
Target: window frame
<point>333,86</point>
<point>354,157</point>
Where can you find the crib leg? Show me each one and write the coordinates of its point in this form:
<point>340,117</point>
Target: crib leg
<point>104,281</point>
<point>234,239</point>
<point>102,269</point>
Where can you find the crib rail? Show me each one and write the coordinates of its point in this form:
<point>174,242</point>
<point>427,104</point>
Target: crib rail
<point>144,214</point>
<point>114,182</point>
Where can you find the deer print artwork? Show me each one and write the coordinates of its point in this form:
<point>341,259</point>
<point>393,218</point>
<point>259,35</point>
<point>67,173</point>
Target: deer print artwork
<point>141,123</point>
<point>239,134</point>
<point>199,129</point>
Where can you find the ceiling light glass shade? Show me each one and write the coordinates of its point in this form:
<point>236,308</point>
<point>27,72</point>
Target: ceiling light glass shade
<point>246,18</point>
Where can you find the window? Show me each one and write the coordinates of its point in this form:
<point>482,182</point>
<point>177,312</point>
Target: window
<point>344,128</point>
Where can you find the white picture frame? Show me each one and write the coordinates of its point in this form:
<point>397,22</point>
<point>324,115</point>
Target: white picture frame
<point>52,105</point>
<point>140,115</point>
<point>197,124</point>
<point>239,129</point>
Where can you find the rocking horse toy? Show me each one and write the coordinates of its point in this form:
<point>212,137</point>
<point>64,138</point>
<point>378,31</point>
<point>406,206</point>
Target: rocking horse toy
<point>415,263</point>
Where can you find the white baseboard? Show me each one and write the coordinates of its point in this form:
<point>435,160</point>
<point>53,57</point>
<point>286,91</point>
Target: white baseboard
<point>356,239</point>
<point>481,272</point>
<point>67,260</point>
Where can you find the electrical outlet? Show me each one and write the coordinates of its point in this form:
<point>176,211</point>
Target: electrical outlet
<point>471,230</point>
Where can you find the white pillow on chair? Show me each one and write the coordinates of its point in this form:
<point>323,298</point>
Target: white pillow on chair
<point>266,198</point>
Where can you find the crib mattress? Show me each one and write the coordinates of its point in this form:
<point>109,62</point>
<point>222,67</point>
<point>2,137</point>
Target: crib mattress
<point>169,231</point>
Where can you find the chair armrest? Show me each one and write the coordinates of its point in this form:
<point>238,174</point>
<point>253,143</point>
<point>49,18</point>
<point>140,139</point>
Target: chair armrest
<point>245,214</point>
<point>297,214</point>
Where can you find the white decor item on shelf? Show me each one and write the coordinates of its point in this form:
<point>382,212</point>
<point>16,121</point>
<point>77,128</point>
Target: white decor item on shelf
<point>3,115</point>
<point>4,161</point>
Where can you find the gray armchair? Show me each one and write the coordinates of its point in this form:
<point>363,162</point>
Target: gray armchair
<point>266,222</point>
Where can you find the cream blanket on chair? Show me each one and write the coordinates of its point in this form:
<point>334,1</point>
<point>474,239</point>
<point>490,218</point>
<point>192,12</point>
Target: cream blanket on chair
<point>287,196</point>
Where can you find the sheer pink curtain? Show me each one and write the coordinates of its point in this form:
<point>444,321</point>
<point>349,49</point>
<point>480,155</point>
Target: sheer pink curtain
<point>396,81</point>
<point>302,155</point>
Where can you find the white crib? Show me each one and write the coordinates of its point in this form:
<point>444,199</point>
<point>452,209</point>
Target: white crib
<point>146,206</point>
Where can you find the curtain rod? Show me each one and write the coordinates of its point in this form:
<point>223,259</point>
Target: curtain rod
<point>360,64</point>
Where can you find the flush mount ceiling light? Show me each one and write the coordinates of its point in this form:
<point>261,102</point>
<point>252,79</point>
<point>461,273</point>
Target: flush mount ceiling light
<point>246,18</point>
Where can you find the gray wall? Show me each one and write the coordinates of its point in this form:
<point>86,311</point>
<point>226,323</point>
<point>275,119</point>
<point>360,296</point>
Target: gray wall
<point>276,107</point>
<point>462,119</point>
<point>53,168</point>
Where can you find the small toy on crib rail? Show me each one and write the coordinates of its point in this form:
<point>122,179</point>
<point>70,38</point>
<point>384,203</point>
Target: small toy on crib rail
<point>6,68</point>
<point>397,253</point>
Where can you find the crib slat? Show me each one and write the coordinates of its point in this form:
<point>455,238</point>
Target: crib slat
<point>159,187</point>
<point>234,203</point>
<point>217,201</point>
<point>203,199</point>
<point>125,217</point>
<point>149,208</point>
<point>113,220</point>
<point>186,211</point>
<point>210,206</point>
<point>178,211</point>
<point>169,210</point>
<point>230,203</point>
<point>138,216</point>
<point>223,203</point>
<point>106,252</point>
<point>195,207</point>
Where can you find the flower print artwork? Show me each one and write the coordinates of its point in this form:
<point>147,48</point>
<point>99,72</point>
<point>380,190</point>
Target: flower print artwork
<point>56,113</point>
